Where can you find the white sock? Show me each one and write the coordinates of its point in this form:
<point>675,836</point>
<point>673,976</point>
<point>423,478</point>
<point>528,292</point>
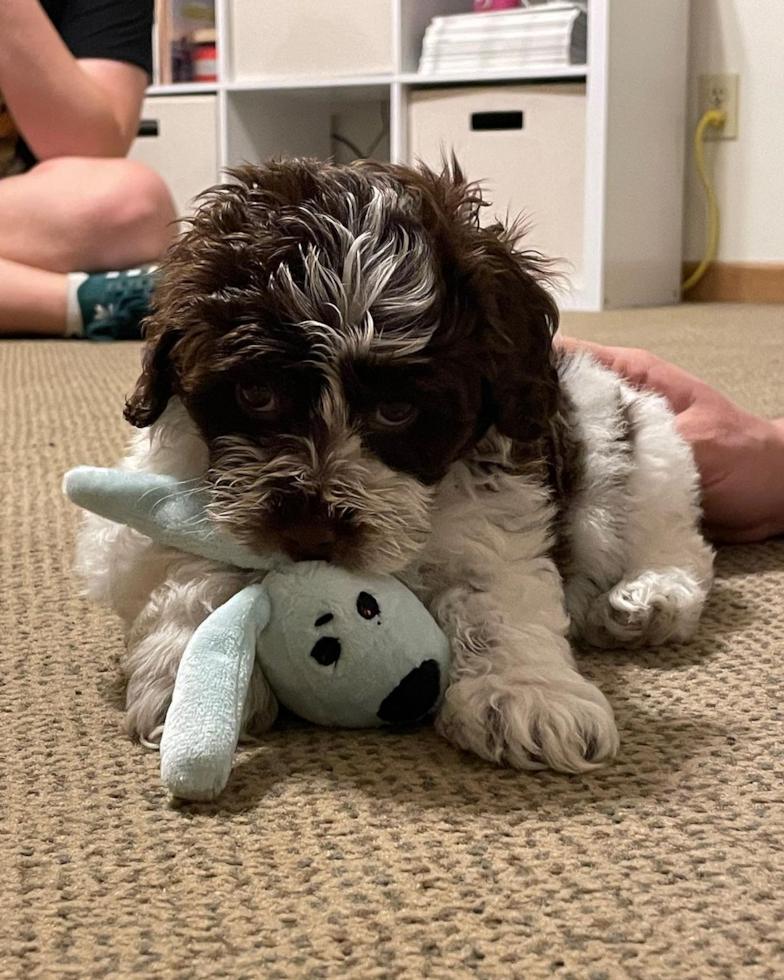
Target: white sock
<point>74,324</point>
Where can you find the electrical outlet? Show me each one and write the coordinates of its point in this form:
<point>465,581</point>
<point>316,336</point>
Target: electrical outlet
<point>720,92</point>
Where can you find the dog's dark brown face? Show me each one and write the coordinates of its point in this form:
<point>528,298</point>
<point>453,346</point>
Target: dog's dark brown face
<point>341,336</point>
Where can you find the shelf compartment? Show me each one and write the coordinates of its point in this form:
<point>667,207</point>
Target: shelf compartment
<point>526,146</point>
<point>179,139</point>
<point>270,123</point>
<point>271,39</point>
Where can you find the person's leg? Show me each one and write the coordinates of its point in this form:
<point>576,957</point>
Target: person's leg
<point>77,215</point>
<point>95,306</point>
<point>85,214</point>
<point>32,300</point>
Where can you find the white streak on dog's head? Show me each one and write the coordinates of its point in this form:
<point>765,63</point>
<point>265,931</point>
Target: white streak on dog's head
<point>368,270</point>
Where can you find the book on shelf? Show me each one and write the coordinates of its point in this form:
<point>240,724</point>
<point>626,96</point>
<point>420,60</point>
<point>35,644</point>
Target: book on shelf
<point>184,39</point>
<point>550,35</point>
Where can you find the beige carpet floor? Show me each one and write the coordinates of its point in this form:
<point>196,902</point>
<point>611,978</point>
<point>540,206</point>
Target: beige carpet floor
<point>372,855</point>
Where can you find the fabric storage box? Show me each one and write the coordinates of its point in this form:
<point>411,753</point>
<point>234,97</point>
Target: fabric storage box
<point>526,143</point>
<point>178,139</point>
<point>278,39</point>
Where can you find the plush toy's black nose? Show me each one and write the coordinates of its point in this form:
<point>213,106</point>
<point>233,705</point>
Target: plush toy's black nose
<point>326,651</point>
<point>414,696</point>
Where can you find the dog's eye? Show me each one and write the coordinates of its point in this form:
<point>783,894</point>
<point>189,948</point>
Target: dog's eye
<point>393,414</point>
<point>257,399</point>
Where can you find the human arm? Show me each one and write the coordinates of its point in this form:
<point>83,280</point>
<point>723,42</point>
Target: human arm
<point>63,106</point>
<point>740,456</point>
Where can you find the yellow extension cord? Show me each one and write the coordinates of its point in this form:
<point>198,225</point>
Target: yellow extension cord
<point>713,117</point>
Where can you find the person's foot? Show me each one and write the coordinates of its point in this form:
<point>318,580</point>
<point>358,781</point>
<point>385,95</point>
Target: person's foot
<point>113,304</point>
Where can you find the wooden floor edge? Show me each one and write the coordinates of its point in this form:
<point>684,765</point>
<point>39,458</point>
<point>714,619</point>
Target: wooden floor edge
<point>737,282</point>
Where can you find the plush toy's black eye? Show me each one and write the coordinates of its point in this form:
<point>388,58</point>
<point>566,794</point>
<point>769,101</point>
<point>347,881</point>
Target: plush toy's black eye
<point>326,651</point>
<point>367,607</point>
<point>323,620</point>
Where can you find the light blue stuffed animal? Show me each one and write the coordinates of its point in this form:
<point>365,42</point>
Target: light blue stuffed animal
<point>337,648</point>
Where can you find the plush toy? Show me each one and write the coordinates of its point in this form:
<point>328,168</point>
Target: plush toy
<point>337,648</point>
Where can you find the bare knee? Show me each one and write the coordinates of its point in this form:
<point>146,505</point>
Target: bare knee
<point>115,213</point>
<point>148,209</point>
<point>132,217</point>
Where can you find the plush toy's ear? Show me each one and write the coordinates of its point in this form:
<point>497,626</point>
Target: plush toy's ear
<point>154,387</point>
<point>170,511</point>
<point>204,719</point>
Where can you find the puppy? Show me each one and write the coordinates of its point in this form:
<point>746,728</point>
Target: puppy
<point>361,373</point>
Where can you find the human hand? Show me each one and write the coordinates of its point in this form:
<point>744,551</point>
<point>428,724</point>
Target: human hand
<point>740,456</point>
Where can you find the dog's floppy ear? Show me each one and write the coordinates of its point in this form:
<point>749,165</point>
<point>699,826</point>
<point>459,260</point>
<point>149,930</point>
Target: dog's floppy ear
<point>518,321</point>
<point>206,251</point>
<point>155,385</point>
<point>517,315</point>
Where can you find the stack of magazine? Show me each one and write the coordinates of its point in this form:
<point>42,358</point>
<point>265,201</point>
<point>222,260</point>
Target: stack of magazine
<point>545,36</point>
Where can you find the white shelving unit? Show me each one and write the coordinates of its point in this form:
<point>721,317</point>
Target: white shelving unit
<point>183,88</point>
<point>634,140</point>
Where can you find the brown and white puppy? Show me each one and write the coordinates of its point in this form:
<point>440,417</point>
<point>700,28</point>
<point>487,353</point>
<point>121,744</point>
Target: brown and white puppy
<point>362,373</point>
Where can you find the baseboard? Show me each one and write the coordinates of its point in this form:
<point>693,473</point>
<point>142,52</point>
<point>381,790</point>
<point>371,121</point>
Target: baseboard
<point>737,282</point>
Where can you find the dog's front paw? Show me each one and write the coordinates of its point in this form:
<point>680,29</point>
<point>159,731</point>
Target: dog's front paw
<point>654,608</point>
<point>565,724</point>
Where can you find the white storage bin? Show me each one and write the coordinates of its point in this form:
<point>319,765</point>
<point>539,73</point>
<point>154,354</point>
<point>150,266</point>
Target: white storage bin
<point>295,38</point>
<point>526,143</point>
<point>178,139</point>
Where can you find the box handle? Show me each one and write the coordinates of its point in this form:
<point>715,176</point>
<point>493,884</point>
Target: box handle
<point>484,121</point>
<point>148,127</point>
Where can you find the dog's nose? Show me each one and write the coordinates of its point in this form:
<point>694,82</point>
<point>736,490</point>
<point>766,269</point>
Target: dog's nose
<point>310,541</point>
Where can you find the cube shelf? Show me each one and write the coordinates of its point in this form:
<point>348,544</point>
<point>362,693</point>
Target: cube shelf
<point>631,155</point>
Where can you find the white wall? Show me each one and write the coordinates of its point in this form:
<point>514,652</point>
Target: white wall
<point>747,37</point>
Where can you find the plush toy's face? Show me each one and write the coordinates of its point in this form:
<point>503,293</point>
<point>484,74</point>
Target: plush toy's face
<point>350,651</point>
<point>415,694</point>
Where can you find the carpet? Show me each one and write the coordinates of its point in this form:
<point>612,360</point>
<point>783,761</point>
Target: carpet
<point>376,855</point>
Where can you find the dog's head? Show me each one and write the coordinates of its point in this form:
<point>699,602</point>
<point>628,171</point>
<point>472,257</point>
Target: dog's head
<point>341,336</point>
